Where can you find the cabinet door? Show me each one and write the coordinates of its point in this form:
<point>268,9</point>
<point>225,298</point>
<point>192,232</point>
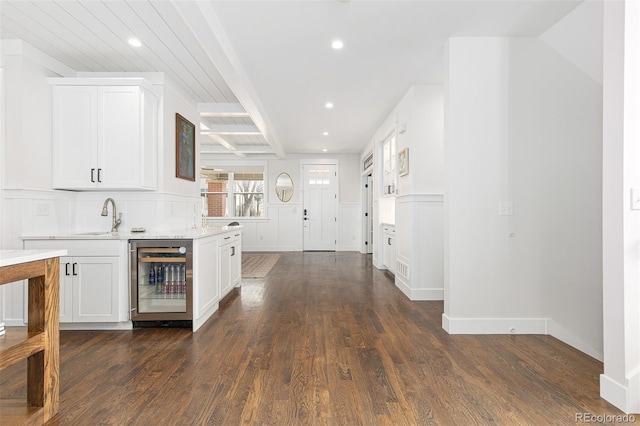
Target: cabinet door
<point>235,263</point>
<point>389,254</point>
<point>95,289</point>
<point>225,270</point>
<point>74,137</point>
<point>119,137</point>
<point>206,284</point>
<point>66,289</point>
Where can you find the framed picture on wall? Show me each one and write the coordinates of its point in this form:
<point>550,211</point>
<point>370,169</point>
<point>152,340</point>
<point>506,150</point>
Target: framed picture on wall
<point>185,148</point>
<point>403,162</point>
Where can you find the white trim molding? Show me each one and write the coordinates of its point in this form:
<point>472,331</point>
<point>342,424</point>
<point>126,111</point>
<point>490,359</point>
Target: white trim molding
<point>495,325</point>
<point>624,396</point>
<point>420,198</point>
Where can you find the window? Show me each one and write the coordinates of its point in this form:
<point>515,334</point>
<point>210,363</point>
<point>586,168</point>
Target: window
<point>233,194</point>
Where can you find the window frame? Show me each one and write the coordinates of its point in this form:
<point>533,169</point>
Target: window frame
<point>230,194</point>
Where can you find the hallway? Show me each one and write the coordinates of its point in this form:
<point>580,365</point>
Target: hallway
<point>324,339</point>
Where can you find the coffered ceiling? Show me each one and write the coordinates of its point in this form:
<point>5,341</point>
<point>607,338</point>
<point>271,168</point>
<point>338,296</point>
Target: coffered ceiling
<point>262,71</point>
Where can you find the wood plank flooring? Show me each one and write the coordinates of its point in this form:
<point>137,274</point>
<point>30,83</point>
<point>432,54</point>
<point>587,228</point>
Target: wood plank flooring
<point>324,339</point>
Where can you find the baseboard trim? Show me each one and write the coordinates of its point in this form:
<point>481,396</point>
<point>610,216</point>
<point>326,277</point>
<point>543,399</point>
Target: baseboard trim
<point>419,294</point>
<point>125,325</point>
<point>560,333</point>
<point>614,392</point>
<point>494,325</point>
<point>270,248</point>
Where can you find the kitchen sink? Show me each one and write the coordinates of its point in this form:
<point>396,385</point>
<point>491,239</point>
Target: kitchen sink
<point>93,233</point>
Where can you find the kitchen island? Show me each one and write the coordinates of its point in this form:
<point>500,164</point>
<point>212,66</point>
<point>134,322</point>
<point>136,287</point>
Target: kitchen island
<point>40,345</point>
<point>96,274</point>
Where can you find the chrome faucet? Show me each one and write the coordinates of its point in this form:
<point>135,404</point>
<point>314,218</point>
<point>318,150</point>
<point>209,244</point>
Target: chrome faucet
<point>116,222</point>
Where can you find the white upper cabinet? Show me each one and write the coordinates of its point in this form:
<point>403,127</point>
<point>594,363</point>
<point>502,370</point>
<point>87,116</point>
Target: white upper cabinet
<point>389,172</point>
<point>104,136</point>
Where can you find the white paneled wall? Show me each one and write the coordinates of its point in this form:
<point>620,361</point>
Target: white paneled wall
<point>281,230</point>
<point>350,227</point>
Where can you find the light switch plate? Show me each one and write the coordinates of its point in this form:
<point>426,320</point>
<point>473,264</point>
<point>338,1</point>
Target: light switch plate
<point>505,208</point>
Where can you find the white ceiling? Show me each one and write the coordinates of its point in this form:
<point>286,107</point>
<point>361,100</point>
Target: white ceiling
<point>274,57</point>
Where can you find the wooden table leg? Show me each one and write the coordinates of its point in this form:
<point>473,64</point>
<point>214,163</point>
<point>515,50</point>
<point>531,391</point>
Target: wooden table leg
<point>42,368</point>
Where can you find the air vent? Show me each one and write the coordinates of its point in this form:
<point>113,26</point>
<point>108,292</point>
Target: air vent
<point>402,269</point>
<point>368,162</point>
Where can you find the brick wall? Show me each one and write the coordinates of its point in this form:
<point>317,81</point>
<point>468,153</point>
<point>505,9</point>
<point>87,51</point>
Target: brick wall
<point>216,204</point>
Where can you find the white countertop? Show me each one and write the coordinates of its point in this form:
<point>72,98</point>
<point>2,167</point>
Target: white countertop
<point>187,233</point>
<point>15,257</point>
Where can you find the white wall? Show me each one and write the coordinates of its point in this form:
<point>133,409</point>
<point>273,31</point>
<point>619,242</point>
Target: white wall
<point>281,228</point>
<point>420,115</point>
<point>556,109</point>
<point>620,383</point>
<point>419,202</point>
<point>523,128</point>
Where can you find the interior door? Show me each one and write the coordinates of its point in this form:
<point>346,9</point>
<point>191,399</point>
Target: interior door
<point>369,216</point>
<point>320,207</point>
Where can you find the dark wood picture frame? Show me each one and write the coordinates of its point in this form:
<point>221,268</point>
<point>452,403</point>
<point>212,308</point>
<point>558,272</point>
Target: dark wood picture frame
<point>185,149</point>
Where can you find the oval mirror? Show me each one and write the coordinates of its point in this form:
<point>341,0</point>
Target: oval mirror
<point>284,187</point>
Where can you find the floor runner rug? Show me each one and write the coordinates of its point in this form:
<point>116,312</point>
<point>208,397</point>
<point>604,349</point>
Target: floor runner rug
<point>258,265</point>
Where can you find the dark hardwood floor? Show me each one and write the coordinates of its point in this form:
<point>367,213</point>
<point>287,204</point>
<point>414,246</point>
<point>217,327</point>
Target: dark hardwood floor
<point>325,339</point>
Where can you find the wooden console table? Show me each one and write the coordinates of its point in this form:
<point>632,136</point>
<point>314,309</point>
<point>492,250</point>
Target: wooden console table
<point>40,345</point>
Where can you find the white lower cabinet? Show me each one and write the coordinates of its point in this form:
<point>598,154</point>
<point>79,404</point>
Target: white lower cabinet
<point>389,250</point>
<point>89,279</point>
<point>87,289</point>
<point>206,287</point>
<point>231,263</point>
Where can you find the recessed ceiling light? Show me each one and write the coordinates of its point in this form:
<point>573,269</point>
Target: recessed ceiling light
<point>324,149</point>
<point>328,105</point>
<point>337,44</point>
<point>325,133</point>
<point>135,42</point>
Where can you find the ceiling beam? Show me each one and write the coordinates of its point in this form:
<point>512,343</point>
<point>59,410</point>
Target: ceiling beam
<point>232,129</point>
<point>244,149</point>
<point>222,110</point>
<point>225,143</point>
<point>214,41</point>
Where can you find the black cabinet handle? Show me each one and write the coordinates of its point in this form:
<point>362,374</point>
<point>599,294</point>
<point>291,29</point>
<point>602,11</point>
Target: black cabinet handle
<point>74,268</point>
<point>389,241</point>
<point>92,178</point>
<point>99,178</point>
<point>233,251</point>
<point>226,238</point>
<point>66,269</point>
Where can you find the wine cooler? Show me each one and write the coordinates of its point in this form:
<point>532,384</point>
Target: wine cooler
<point>161,282</point>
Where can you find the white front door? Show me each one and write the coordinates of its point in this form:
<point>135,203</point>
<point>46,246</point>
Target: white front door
<point>320,206</point>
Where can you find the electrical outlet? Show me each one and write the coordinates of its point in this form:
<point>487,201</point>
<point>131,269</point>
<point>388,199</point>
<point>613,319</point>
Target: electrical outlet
<point>42,209</point>
<point>505,208</point>
<point>635,199</point>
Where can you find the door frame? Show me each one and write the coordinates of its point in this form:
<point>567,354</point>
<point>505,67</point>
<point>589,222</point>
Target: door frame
<point>321,162</point>
<point>366,244</point>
